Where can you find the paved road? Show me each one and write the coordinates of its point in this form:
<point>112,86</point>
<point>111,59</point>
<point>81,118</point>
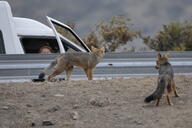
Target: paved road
<point>17,67</point>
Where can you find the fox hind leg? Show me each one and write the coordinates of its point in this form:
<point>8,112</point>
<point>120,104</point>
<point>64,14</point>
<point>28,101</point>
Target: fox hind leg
<point>174,88</point>
<point>157,102</point>
<point>55,73</point>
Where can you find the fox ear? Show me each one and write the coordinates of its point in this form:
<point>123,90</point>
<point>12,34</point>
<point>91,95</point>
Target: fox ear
<point>159,55</point>
<point>93,48</point>
<point>103,48</point>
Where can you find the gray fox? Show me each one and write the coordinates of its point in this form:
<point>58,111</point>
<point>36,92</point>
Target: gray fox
<point>66,62</point>
<point>165,81</point>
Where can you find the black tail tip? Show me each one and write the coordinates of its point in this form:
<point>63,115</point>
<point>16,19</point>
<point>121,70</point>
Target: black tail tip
<point>148,99</point>
<point>41,75</point>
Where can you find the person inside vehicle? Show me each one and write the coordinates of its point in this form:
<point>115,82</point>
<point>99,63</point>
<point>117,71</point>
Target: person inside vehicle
<point>46,50</point>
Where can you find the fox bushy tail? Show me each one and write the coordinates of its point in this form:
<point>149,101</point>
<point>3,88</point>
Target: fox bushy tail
<point>159,90</point>
<point>43,73</point>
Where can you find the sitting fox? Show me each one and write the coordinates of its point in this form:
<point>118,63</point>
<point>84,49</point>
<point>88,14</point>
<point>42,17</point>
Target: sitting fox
<point>66,62</point>
<point>165,81</point>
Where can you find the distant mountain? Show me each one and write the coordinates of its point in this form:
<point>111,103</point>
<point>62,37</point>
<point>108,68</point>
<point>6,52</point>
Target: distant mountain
<point>146,15</point>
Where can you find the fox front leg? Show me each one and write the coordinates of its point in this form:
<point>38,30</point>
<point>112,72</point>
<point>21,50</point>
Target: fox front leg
<point>89,73</point>
<point>168,100</point>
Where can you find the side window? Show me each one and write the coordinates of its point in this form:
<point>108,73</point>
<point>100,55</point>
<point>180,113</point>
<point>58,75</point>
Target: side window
<point>68,46</point>
<point>67,34</point>
<point>2,46</point>
<point>35,44</point>
<point>71,41</point>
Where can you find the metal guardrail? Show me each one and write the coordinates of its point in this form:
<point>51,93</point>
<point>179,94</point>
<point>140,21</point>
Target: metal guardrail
<point>185,54</point>
<point>113,65</point>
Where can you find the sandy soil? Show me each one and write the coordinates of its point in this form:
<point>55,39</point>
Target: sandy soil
<point>116,103</point>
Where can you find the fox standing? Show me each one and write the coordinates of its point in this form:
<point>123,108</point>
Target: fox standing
<point>165,80</point>
<point>66,62</point>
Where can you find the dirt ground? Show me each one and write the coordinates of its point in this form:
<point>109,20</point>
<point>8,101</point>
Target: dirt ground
<point>114,103</point>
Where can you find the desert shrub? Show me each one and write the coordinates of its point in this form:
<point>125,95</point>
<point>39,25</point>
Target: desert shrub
<point>111,34</point>
<point>173,37</point>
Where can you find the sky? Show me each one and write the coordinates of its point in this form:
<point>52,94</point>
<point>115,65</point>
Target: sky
<point>146,15</point>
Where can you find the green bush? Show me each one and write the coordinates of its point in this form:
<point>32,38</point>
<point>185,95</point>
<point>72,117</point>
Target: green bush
<point>111,34</point>
<point>173,37</point>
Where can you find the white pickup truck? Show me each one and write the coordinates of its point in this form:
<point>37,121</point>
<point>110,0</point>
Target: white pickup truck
<point>22,35</point>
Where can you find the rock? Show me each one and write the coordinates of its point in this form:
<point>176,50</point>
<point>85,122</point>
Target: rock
<point>93,101</point>
<point>47,123</point>
<point>76,106</point>
<point>54,109</point>
<point>99,101</point>
<point>5,108</point>
<point>32,124</point>
<point>137,122</point>
<point>74,115</point>
<point>43,95</point>
<point>28,105</point>
<point>181,102</point>
<point>59,95</point>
